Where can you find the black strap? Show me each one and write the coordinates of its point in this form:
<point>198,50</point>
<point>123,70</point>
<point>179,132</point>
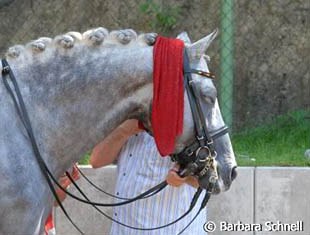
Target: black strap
<point>23,114</point>
<point>97,187</point>
<point>112,195</point>
<point>184,157</point>
<point>219,132</point>
<point>203,135</point>
<point>202,206</point>
<point>187,80</point>
<point>156,188</point>
<point>192,205</point>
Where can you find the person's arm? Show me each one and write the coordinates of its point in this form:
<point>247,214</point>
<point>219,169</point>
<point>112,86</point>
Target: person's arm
<point>106,152</point>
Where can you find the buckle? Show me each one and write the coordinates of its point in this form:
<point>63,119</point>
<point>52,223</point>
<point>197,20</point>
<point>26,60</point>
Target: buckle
<point>5,70</point>
<point>203,73</point>
<point>200,137</point>
<point>210,142</point>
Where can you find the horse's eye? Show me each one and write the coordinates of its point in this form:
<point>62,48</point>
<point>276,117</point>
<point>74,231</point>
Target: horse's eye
<point>208,93</point>
<point>209,99</point>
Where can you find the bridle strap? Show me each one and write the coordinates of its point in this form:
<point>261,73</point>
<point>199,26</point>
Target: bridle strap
<point>202,133</point>
<point>189,150</point>
<point>23,114</point>
<point>219,132</point>
<point>203,73</point>
<point>199,157</point>
<point>188,80</point>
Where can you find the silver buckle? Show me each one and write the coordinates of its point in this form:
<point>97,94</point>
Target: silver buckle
<point>200,137</point>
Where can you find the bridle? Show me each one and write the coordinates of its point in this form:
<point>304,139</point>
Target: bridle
<point>199,157</point>
<point>196,159</point>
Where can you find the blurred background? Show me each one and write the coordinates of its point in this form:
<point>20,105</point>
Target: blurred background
<point>261,58</point>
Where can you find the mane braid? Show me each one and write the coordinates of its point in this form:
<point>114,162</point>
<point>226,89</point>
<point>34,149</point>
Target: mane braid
<point>92,38</point>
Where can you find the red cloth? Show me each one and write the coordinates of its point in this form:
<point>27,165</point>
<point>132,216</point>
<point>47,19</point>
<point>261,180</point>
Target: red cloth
<point>49,225</point>
<point>168,93</point>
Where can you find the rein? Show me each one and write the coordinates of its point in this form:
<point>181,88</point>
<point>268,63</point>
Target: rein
<point>107,193</point>
<point>201,153</point>
<point>7,74</point>
<point>23,115</point>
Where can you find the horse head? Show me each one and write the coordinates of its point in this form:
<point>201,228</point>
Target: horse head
<point>222,170</point>
<point>225,158</point>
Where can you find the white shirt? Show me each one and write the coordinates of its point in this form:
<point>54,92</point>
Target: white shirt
<point>140,167</point>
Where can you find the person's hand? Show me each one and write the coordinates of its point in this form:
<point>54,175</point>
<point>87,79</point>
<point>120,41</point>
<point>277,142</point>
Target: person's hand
<point>130,127</point>
<point>175,180</point>
<point>65,182</point>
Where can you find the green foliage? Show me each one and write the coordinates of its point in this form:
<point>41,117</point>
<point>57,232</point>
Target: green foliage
<point>282,142</point>
<point>162,18</point>
<point>85,159</point>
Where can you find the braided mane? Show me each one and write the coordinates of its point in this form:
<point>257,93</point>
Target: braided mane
<point>93,38</point>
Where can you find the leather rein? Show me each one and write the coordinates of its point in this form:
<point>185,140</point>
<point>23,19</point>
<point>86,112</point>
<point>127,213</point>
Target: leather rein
<point>196,159</point>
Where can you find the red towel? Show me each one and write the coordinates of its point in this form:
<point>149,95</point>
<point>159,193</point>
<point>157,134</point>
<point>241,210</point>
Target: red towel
<point>168,93</point>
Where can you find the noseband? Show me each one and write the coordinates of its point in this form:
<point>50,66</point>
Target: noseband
<point>199,157</point>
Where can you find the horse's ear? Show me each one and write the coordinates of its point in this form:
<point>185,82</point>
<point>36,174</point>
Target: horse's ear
<point>197,49</point>
<point>184,37</point>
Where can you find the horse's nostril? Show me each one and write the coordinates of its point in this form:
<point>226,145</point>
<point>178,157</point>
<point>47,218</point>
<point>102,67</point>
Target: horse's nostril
<point>234,173</point>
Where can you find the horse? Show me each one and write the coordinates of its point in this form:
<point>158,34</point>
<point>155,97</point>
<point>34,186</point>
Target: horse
<point>77,88</point>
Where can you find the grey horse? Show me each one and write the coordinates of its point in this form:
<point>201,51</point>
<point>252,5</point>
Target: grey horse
<point>77,89</point>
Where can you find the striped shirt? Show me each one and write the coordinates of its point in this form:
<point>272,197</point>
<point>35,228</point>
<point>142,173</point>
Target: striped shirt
<point>140,167</point>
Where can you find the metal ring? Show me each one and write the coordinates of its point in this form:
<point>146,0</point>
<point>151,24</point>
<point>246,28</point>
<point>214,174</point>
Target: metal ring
<point>199,149</point>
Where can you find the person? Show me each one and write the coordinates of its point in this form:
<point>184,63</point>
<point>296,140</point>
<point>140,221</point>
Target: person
<point>140,167</point>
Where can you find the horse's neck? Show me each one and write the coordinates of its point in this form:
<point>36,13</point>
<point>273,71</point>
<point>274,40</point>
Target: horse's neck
<point>74,100</point>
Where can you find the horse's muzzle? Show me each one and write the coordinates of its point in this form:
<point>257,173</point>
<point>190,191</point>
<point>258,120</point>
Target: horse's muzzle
<point>217,181</point>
